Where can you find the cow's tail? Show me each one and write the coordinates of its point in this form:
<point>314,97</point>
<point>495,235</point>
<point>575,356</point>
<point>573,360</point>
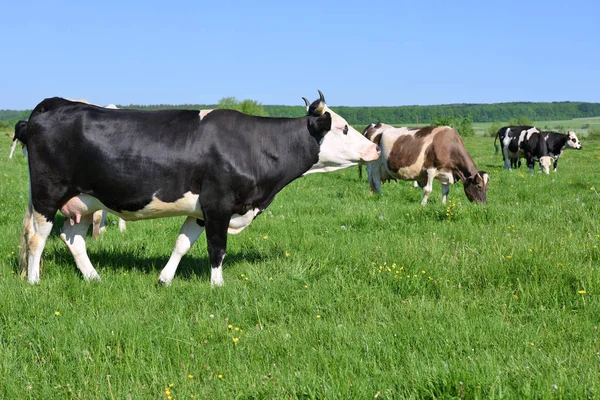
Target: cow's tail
<point>26,236</point>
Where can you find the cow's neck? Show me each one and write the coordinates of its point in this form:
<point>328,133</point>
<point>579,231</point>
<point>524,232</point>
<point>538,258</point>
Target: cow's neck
<point>466,167</point>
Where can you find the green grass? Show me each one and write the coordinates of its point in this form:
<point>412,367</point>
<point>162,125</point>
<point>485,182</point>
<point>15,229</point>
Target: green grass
<point>337,294</point>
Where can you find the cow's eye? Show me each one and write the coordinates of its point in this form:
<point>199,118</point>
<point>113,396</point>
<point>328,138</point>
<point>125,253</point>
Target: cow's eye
<point>573,140</point>
<point>346,130</point>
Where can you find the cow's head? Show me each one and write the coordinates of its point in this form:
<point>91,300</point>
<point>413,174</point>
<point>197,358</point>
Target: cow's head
<point>476,187</point>
<point>341,146</point>
<point>545,163</point>
<point>573,142</point>
<point>373,131</point>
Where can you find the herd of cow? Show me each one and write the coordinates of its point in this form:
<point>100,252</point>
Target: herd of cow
<point>221,168</point>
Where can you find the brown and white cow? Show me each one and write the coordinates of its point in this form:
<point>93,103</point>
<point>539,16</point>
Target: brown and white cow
<point>424,154</point>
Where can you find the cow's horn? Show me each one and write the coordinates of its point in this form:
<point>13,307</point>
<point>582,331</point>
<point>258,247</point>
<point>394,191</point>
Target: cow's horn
<point>306,102</point>
<point>321,96</point>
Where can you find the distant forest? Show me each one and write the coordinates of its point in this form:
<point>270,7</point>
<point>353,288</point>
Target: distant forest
<point>405,115</point>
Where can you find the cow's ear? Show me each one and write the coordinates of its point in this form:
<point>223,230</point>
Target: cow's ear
<point>320,125</point>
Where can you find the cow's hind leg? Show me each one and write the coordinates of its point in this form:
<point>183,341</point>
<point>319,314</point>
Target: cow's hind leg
<point>99,223</point>
<point>74,237</point>
<point>506,158</point>
<point>36,229</point>
<point>189,232</point>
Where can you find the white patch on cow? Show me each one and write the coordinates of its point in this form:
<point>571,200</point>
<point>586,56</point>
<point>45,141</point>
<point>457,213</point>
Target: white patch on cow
<point>188,205</point>
<point>545,163</point>
<point>505,151</point>
<point>112,107</point>
<point>37,230</point>
<point>238,223</point>
<point>204,113</point>
<point>342,150</point>
<point>216,274</point>
<point>530,132</point>
<point>573,142</point>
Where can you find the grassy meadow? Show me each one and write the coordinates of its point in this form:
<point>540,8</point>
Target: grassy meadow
<point>330,294</point>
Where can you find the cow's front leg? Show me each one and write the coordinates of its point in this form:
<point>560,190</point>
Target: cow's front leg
<point>189,232</point>
<point>530,163</point>
<point>445,192</point>
<point>429,186</point>
<point>216,238</point>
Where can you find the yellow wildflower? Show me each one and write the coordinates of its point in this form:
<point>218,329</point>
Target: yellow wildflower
<point>235,340</point>
<point>57,313</point>
<point>581,291</point>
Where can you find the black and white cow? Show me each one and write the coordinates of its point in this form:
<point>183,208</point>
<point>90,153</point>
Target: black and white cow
<point>20,137</point>
<point>220,171</point>
<point>534,145</point>
<point>510,137</point>
<point>99,217</point>
<point>557,142</point>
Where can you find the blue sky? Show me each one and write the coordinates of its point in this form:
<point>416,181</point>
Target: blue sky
<point>275,52</point>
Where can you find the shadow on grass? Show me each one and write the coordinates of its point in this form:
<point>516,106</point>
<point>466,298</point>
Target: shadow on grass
<point>112,259</point>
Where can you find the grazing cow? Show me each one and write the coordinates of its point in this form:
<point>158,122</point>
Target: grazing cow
<point>20,137</point>
<point>220,172</point>
<point>424,154</point>
<point>557,142</point>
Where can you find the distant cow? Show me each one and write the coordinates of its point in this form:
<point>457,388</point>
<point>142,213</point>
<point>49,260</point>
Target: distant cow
<point>19,137</point>
<point>424,154</point>
<point>557,142</point>
<point>510,137</point>
<point>534,145</point>
<point>220,171</point>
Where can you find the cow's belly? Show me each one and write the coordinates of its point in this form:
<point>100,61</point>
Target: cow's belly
<point>446,178</point>
<point>409,173</point>
<point>188,205</point>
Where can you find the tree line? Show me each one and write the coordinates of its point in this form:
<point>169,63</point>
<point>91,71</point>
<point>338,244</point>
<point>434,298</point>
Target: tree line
<point>398,115</point>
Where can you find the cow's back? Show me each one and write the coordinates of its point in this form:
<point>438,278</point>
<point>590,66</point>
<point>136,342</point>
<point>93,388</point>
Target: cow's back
<point>103,152</point>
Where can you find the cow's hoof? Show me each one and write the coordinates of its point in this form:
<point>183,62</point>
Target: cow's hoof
<point>163,282</point>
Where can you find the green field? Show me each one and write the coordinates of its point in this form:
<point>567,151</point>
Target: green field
<point>329,294</point>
